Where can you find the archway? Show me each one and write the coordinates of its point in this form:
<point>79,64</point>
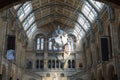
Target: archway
<point>12,75</point>
<point>3,72</point>
<point>111,73</point>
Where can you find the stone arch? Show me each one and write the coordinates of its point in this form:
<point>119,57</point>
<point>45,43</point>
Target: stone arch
<point>37,33</point>
<point>39,41</point>
<point>37,64</point>
<point>32,41</point>
<point>111,73</point>
<point>3,72</point>
<point>12,75</point>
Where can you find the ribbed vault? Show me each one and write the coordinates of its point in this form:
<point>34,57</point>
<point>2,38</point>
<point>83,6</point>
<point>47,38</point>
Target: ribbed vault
<point>76,15</point>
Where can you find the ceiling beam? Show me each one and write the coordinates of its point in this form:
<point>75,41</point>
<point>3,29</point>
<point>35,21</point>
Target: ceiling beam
<point>55,21</point>
<point>63,26</point>
<point>58,16</point>
<point>59,5</point>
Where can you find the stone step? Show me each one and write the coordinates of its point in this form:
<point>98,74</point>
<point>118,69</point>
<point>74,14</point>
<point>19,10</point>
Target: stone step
<point>33,74</point>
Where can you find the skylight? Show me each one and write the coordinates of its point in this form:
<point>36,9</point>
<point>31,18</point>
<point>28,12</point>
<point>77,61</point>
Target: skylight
<point>26,17</point>
<point>97,5</point>
<point>79,30</point>
<point>90,13</point>
<point>31,30</point>
<point>84,23</point>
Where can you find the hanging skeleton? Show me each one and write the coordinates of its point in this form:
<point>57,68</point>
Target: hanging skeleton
<point>60,40</point>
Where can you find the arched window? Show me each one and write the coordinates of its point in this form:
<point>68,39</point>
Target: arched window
<point>50,44</point>
<point>69,64</point>
<point>29,65</point>
<point>53,63</point>
<point>57,63</point>
<point>39,42</point>
<point>37,64</point>
<point>72,40</point>
<point>72,43</point>
<point>61,65</point>
<point>49,64</point>
<point>73,63</point>
<point>41,64</point>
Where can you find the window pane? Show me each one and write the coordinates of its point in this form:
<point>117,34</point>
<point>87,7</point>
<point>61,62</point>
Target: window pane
<point>38,43</point>
<point>22,13</point>
<point>60,48</point>
<point>26,26</point>
<point>42,43</point>
<point>31,29</point>
<point>31,20</point>
<point>72,44</point>
<point>50,44</point>
<point>81,21</point>
<point>89,11</point>
<point>97,4</point>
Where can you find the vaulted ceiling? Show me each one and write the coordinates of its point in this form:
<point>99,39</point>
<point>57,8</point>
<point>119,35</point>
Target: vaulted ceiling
<point>73,15</point>
<point>64,11</point>
<point>53,12</point>
<point>56,12</point>
<point>4,4</point>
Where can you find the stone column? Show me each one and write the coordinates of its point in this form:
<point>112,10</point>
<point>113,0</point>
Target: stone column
<point>46,54</point>
<point>45,60</point>
<point>104,70</point>
<point>114,24</point>
<point>115,47</point>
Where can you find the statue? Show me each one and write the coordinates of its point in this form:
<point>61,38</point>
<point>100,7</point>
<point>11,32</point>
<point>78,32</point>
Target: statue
<point>55,76</point>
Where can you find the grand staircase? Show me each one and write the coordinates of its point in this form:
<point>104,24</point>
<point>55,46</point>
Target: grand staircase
<point>33,74</point>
